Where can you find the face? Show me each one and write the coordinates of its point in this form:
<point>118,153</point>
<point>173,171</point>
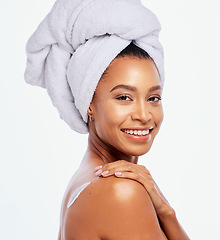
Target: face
<point>126,108</point>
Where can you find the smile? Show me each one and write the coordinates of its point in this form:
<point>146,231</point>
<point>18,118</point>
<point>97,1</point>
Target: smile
<point>138,135</point>
<point>136,132</point>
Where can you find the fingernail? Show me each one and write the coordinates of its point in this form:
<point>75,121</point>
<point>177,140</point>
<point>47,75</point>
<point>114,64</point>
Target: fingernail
<point>98,172</point>
<point>105,173</point>
<point>118,174</point>
<point>98,167</point>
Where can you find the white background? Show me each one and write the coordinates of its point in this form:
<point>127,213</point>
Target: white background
<point>39,152</point>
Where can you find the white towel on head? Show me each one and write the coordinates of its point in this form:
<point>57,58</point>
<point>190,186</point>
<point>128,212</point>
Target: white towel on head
<point>76,42</point>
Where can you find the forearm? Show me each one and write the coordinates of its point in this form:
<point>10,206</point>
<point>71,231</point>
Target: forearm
<point>172,227</point>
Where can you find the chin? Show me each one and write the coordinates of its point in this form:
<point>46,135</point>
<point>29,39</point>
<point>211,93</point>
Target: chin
<point>137,150</point>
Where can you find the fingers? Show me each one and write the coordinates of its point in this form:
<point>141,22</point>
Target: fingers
<point>114,164</point>
<point>109,171</point>
<point>129,175</point>
<point>118,166</point>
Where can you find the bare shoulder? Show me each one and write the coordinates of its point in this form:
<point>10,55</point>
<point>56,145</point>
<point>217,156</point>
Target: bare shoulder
<point>113,208</point>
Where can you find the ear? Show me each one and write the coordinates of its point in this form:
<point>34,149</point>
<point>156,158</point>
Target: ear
<point>90,111</point>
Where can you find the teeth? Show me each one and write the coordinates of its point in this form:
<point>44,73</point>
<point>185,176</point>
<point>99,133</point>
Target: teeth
<point>137,132</point>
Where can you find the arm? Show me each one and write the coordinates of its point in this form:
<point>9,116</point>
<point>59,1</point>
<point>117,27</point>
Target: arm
<point>113,209</point>
<point>172,227</point>
<point>165,213</point>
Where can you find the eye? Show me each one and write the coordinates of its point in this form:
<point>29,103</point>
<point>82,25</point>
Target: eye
<point>155,99</point>
<point>124,98</point>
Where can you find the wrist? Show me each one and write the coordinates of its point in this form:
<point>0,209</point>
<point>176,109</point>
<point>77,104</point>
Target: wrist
<point>167,212</point>
<point>171,226</point>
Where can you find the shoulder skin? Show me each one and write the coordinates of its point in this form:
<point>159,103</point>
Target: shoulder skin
<point>114,209</point>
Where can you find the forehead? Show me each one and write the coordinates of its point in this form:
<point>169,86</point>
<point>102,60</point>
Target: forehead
<point>141,73</point>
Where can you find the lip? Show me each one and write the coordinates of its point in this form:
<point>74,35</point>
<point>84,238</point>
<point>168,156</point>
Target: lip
<point>137,138</point>
<point>138,128</point>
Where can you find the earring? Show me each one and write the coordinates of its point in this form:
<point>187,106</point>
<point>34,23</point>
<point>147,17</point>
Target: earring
<point>90,118</point>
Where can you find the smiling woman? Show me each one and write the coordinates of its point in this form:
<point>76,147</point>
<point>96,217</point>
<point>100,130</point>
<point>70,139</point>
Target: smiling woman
<point>109,85</point>
<point>127,104</point>
<point>125,115</point>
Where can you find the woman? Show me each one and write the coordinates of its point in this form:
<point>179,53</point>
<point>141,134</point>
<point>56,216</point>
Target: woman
<point>124,118</point>
<point>119,103</point>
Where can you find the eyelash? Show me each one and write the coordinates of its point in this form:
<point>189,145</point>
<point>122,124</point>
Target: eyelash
<point>151,99</point>
<point>120,98</point>
<point>158,99</point>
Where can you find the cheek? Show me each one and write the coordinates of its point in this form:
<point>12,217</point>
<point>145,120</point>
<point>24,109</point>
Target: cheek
<point>109,118</point>
<point>158,116</point>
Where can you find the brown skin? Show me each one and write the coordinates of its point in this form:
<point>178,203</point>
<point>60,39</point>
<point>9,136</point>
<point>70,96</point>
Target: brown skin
<point>125,203</point>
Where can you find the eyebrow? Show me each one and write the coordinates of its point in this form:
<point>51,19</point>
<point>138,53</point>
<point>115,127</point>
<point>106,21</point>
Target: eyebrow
<point>154,88</point>
<point>131,88</point>
<point>128,87</point>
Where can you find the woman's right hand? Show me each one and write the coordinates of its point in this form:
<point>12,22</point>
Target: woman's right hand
<point>139,173</point>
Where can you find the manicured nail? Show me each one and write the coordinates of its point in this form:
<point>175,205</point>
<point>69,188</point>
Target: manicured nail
<point>98,172</point>
<point>118,174</point>
<point>105,173</point>
<point>98,167</point>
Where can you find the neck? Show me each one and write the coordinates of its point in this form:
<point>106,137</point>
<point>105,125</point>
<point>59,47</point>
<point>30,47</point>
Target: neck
<point>101,153</point>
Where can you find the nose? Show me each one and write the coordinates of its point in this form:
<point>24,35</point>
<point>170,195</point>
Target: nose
<point>141,113</point>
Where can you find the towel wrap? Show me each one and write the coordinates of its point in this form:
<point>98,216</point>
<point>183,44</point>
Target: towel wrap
<point>75,43</point>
